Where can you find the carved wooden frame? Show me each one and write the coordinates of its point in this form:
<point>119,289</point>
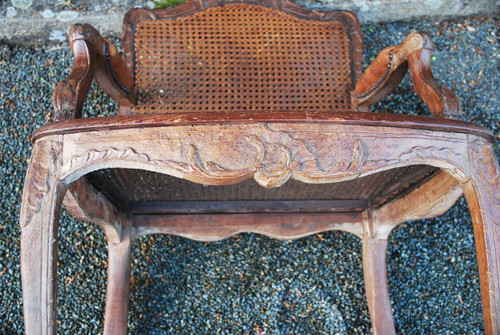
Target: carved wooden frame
<point>261,150</point>
<point>271,147</point>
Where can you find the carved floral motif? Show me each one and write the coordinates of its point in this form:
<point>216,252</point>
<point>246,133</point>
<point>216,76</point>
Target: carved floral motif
<point>109,153</point>
<point>488,172</point>
<point>64,101</point>
<point>272,161</point>
<point>38,181</point>
<point>272,156</point>
<point>429,152</point>
<point>416,153</point>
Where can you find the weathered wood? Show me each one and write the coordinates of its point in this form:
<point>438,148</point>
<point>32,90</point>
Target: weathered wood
<point>42,197</point>
<point>97,58</point>
<point>440,100</point>
<point>243,206</point>
<point>215,227</point>
<point>84,202</point>
<point>179,119</point>
<point>375,276</point>
<point>70,94</point>
<point>431,199</point>
<point>391,65</point>
<point>222,148</point>
<point>427,201</point>
<point>483,196</point>
<point>84,152</point>
<point>226,154</point>
<point>118,290</point>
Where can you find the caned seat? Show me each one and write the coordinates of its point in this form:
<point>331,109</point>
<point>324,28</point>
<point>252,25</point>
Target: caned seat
<point>244,116</point>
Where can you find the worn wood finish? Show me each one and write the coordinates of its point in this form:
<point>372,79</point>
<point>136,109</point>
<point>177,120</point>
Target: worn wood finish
<point>42,197</point>
<point>227,154</point>
<point>428,200</point>
<point>244,206</point>
<point>371,149</point>
<point>84,202</point>
<point>222,148</point>
<point>70,94</point>
<point>215,227</point>
<point>97,58</point>
<point>377,291</point>
<point>175,119</point>
<point>482,191</point>
<point>448,151</point>
<point>118,290</point>
<point>391,65</point>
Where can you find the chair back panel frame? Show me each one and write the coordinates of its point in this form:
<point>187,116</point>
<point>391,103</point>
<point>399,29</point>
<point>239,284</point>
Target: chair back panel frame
<point>350,21</point>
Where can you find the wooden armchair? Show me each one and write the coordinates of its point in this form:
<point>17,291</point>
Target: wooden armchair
<point>250,117</point>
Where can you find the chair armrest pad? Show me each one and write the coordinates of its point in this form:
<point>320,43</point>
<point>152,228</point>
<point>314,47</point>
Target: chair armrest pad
<point>97,58</point>
<point>391,65</point>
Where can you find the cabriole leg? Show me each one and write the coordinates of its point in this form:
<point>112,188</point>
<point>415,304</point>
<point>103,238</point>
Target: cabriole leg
<point>483,196</point>
<point>375,276</point>
<point>118,290</point>
<point>377,292</point>
<point>42,198</point>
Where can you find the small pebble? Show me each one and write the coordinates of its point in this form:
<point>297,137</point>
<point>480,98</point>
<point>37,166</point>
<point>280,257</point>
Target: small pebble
<point>57,36</point>
<point>11,12</point>
<point>22,4</point>
<point>67,16</point>
<point>48,14</point>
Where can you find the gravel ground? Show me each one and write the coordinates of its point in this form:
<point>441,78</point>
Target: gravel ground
<point>251,284</point>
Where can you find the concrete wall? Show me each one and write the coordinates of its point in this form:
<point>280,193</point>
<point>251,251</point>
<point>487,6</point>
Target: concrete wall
<point>39,21</point>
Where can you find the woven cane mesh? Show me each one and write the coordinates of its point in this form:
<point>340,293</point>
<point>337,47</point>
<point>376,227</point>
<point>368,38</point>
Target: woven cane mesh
<point>241,57</point>
<point>128,185</point>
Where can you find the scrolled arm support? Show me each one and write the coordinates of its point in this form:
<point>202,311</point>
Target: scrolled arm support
<point>97,58</point>
<point>391,65</point>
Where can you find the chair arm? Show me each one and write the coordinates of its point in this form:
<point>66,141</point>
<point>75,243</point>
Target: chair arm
<point>391,65</point>
<point>95,57</point>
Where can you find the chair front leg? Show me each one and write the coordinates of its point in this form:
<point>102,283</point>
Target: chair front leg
<point>375,276</point>
<point>118,290</point>
<point>483,196</point>
<point>40,208</point>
